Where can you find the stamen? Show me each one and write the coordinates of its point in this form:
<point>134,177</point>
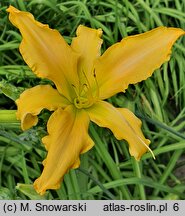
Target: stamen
<point>75,89</point>
<point>88,85</point>
<point>84,90</point>
<point>94,73</point>
<point>86,79</point>
<point>97,86</point>
<point>84,94</point>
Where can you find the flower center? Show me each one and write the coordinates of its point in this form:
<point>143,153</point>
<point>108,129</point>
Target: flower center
<point>82,102</point>
<point>84,96</point>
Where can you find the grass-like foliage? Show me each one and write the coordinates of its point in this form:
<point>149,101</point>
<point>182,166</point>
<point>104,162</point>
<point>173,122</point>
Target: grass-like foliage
<point>107,171</point>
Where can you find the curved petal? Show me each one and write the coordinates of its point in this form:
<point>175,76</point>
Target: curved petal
<point>124,125</point>
<point>33,100</point>
<point>46,52</point>
<point>88,45</point>
<point>68,138</point>
<point>134,59</point>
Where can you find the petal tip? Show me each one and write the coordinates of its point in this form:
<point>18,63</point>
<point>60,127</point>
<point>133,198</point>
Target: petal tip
<point>28,121</point>
<point>85,28</point>
<point>41,188</point>
<point>12,9</point>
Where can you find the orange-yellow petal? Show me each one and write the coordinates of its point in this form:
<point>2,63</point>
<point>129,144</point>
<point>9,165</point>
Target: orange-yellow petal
<point>124,125</point>
<point>134,59</point>
<point>46,52</point>
<point>68,138</point>
<point>33,100</point>
<point>87,44</point>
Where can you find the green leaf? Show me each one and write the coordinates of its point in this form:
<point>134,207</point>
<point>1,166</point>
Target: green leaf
<point>10,90</point>
<point>5,194</point>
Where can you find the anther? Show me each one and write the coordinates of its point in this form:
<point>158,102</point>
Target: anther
<point>94,73</point>
<point>97,86</point>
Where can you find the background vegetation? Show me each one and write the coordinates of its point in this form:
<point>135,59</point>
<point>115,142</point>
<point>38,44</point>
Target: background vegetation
<point>107,171</point>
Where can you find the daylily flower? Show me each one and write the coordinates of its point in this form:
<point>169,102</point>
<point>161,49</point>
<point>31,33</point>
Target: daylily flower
<point>84,79</point>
